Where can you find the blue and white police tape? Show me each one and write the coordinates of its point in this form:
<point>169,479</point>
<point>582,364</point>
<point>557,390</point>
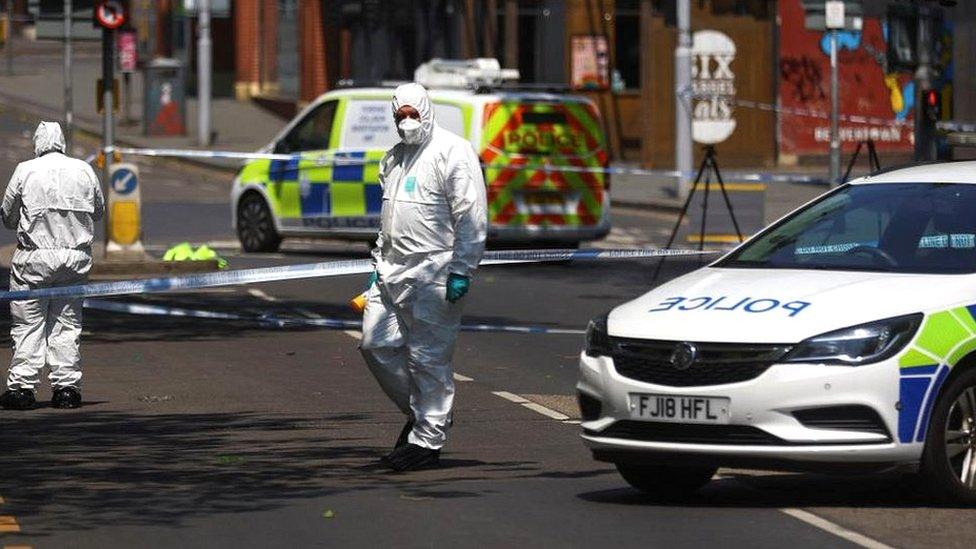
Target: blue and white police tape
<point>317,270</point>
<point>794,111</point>
<point>339,159</point>
<point>274,321</point>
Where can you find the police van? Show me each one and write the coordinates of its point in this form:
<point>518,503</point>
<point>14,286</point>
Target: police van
<point>842,337</point>
<point>543,157</point>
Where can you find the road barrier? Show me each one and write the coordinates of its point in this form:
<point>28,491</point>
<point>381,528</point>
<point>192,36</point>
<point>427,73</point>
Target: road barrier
<point>317,270</point>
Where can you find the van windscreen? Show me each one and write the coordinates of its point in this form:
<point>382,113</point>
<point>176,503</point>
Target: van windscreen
<point>555,118</point>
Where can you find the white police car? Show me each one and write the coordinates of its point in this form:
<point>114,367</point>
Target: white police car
<point>841,337</point>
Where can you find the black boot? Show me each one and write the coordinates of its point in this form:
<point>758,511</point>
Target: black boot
<point>17,399</point>
<point>411,457</point>
<point>404,437</point>
<point>66,397</point>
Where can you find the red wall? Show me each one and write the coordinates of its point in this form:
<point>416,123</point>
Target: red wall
<point>804,83</point>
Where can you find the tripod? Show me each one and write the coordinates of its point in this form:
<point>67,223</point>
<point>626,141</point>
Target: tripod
<point>873,161</point>
<point>707,169</point>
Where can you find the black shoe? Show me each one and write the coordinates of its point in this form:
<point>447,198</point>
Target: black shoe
<point>404,437</point>
<point>66,397</point>
<point>17,399</point>
<point>411,457</point>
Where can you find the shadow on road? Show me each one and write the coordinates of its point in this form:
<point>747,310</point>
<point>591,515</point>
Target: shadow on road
<point>91,468</point>
<point>777,490</point>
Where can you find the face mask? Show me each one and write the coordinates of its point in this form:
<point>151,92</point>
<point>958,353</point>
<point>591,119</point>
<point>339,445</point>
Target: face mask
<point>409,130</point>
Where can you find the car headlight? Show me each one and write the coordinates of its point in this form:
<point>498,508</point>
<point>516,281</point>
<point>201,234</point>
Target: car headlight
<point>857,345</point>
<point>597,339</point>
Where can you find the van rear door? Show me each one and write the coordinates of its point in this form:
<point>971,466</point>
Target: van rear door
<point>543,163</point>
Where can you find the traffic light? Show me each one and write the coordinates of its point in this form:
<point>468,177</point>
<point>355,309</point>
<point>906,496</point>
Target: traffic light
<point>932,105</point>
<point>928,111</point>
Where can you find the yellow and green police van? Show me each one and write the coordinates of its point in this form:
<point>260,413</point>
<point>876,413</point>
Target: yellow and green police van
<point>543,155</point>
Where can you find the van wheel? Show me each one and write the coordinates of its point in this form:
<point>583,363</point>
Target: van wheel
<point>255,225</point>
<point>949,458</point>
<point>666,481</point>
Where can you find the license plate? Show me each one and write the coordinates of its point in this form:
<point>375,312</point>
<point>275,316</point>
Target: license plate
<point>545,203</point>
<point>679,409</point>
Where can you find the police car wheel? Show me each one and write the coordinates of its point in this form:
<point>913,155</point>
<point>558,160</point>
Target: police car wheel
<point>949,459</point>
<point>255,225</point>
<point>666,481</point>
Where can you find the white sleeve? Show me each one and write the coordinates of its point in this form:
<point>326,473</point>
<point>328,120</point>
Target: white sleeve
<point>12,199</point>
<point>465,190</point>
<point>99,205</point>
<point>377,251</point>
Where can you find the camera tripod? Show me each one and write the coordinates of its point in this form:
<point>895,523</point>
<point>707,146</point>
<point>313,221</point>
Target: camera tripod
<point>706,171</point>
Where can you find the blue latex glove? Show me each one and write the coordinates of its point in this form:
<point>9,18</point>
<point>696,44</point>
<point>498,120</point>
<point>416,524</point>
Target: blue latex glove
<point>457,286</point>
<point>373,277</point>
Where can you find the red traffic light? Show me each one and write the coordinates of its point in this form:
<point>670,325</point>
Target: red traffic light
<point>932,98</point>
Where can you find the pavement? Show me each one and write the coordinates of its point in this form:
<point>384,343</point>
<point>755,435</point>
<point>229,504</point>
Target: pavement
<point>204,433</point>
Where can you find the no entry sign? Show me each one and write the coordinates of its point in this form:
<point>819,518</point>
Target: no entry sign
<point>110,14</point>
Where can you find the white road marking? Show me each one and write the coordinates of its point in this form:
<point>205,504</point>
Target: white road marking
<point>459,377</point>
<point>510,397</point>
<point>260,294</point>
<point>355,334</point>
<point>545,411</point>
<point>534,406</point>
<point>835,529</point>
<point>572,421</point>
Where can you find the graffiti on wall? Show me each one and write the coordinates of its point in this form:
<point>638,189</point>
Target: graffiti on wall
<point>868,88</point>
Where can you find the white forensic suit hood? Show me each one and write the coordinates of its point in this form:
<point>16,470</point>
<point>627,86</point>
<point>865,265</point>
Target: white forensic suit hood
<point>415,96</point>
<point>48,138</point>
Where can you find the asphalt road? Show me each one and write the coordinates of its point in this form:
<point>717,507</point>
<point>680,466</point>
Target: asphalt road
<point>202,433</point>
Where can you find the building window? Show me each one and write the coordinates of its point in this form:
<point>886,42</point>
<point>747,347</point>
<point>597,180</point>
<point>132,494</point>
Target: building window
<point>626,71</point>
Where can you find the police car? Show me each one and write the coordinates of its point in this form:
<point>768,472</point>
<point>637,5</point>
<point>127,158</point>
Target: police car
<point>543,156</point>
<point>842,337</point>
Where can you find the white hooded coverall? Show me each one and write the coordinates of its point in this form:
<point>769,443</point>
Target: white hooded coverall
<point>52,201</point>
<point>434,221</point>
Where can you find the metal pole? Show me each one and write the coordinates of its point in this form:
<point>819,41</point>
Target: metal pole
<point>682,98</point>
<point>10,37</point>
<point>834,112</point>
<point>108,127</point>
<point>924,140</point>
<point>68,97</point>
<point>203,75</point>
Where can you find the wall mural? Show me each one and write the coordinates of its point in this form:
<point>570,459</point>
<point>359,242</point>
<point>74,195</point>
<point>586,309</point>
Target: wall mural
<point>868,88</point>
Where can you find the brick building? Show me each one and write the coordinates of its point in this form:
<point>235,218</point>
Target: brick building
<point>620,52</point>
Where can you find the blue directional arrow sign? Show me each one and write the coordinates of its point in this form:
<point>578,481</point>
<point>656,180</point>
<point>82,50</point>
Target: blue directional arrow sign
<point>124,181</point>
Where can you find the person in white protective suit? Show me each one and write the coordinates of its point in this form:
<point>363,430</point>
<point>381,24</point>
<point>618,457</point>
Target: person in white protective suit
<point>53,202</point>
<point>434,221</point>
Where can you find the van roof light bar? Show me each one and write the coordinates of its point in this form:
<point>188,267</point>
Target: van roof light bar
<point>470,74</point>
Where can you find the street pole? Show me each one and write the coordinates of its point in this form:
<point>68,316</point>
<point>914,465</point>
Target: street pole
<point>108,129</point>
<point>924,139</point>
<point>68,106</point>
<point>682,99</point>
<point>834,112</point>
<point>203,74</point>
<point>10,38</point>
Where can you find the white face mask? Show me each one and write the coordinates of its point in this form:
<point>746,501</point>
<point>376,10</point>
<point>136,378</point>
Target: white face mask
<point>410,131</point>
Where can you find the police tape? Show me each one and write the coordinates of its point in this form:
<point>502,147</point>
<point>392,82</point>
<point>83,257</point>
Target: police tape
<point>326,159</point>
<point>796,111</point>
<point>317,270</point>
<point>274,321</point>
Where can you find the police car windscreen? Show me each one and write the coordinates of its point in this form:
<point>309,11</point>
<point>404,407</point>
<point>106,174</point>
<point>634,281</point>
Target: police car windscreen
<point>887,227</point>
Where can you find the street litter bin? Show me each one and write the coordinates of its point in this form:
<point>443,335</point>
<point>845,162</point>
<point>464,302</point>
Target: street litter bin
<point>164,99</point>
